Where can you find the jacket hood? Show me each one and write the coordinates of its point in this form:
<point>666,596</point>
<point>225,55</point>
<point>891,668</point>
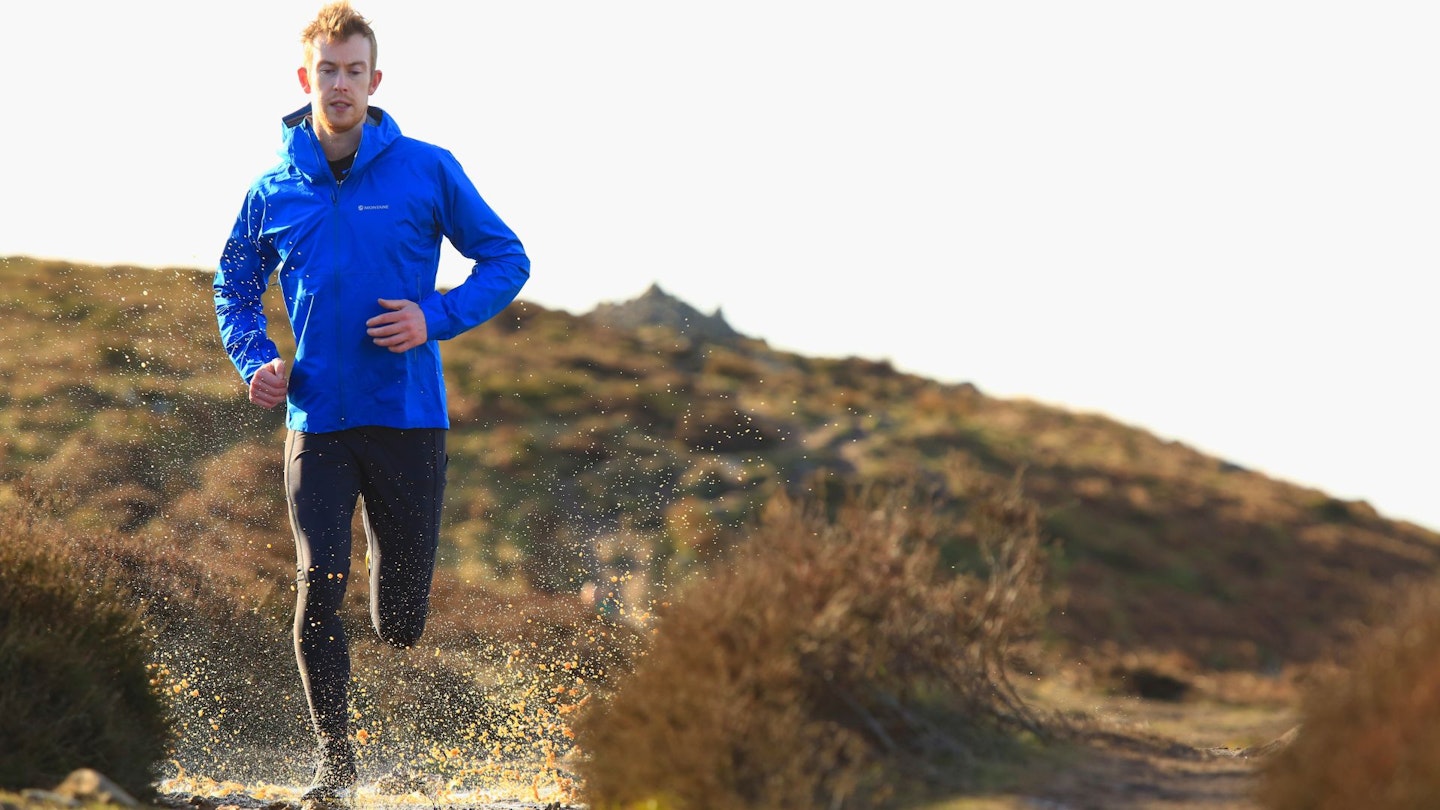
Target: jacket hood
<point>300,146</point>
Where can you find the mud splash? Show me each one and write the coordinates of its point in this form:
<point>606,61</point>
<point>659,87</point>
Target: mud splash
<point>511,786</point>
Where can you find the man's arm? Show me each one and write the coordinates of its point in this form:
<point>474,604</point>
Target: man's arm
<point>501,266</point>
<point>240,280</point>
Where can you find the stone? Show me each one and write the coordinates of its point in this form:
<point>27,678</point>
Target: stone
<point>48,797</point>
<point>89,785</point>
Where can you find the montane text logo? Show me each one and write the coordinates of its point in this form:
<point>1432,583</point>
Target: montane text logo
<point>374,208</point>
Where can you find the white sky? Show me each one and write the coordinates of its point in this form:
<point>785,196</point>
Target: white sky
<point>1216,221</point>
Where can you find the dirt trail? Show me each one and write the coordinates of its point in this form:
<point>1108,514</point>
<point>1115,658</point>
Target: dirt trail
<point>1118,771</point>
<point>1134,754</point>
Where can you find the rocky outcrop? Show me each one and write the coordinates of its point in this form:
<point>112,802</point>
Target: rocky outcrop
<point>655,307</point>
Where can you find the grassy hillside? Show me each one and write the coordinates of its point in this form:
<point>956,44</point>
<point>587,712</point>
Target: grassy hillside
<point>585,453</point>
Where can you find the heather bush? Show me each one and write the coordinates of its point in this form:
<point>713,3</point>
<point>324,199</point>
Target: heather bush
<point>1370,735</point>
<point>830,657</point>
<point>74,687</point>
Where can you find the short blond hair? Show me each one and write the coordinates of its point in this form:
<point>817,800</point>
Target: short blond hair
<point>338,22</point>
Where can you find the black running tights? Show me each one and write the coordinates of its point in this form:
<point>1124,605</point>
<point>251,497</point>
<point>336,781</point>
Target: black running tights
<point>398,477</point>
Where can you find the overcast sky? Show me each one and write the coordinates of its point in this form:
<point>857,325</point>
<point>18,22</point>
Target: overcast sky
<point>1216,221</point>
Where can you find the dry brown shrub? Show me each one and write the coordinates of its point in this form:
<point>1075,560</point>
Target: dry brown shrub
<point>1371,728</point>
<point>237,490</point>
<point>833,656</point>
<point>103,481</point>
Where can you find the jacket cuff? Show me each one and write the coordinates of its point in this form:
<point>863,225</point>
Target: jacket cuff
<point>437,321</point>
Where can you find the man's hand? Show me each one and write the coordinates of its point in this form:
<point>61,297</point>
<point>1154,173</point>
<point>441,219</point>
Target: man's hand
<point>399,330</point>
<point>268,386</point>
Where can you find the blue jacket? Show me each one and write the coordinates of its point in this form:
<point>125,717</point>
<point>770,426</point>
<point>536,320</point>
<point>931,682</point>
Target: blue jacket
<point>338,248</point>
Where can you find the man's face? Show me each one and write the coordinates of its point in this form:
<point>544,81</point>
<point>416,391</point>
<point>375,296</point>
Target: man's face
<point>339,80</point>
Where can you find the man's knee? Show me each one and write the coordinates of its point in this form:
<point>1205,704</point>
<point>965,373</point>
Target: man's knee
<point>320,590</point>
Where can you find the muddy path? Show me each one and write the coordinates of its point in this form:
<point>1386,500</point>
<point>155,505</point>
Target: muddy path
<point>1118,753</point>
<point>1121,755</point>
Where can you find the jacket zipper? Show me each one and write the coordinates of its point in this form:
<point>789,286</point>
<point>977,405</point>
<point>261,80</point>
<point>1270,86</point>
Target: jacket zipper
<point>340,297</point>
<point>338,278</point>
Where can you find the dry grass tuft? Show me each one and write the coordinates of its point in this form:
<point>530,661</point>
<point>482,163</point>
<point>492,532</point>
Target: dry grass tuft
<point>833,657</point>
<point>1371,731</point>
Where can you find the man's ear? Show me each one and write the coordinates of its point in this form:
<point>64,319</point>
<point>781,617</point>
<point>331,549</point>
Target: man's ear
<point>374,80</point>
<point>304,75</point>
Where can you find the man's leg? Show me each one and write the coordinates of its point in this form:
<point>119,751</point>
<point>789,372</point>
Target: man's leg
<point>403,492</point>
<point>322,483</point>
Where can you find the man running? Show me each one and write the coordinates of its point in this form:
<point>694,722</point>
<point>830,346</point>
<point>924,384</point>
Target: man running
<point>352,219</point>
